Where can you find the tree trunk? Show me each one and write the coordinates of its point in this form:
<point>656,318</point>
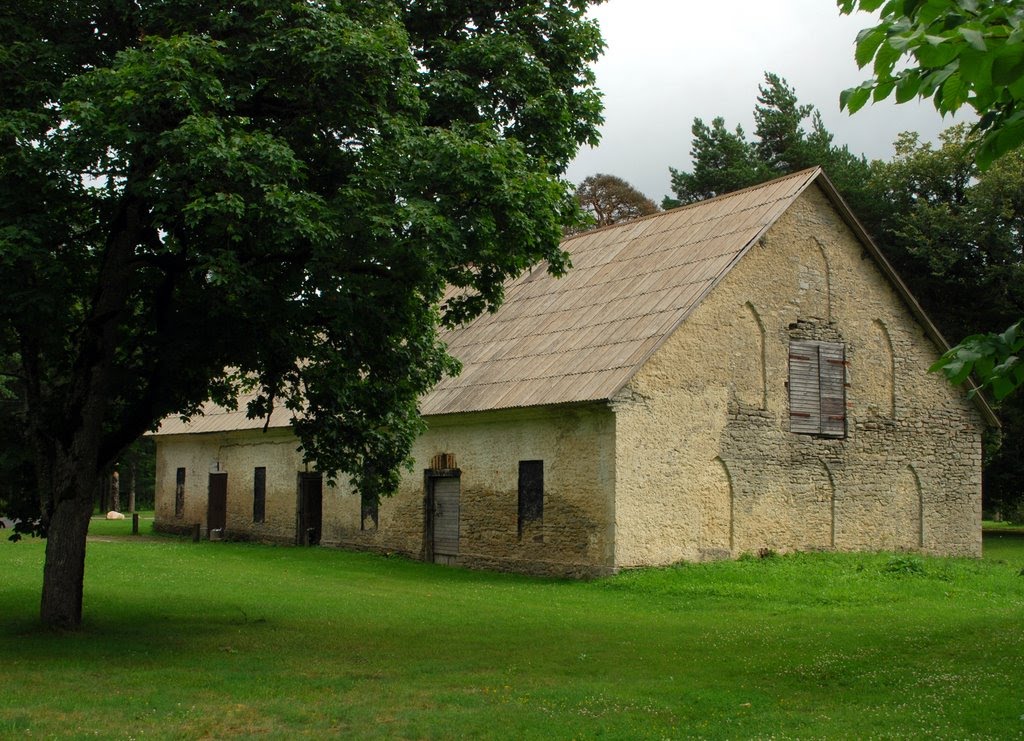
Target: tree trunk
<point>131,488</point>
<point>115,491</point>
<point>70,463</point>
<point>64,570</point>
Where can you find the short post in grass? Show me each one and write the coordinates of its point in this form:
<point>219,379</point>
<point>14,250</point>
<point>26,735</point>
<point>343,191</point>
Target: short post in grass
<point>195,533</point>
<point>135,523</point>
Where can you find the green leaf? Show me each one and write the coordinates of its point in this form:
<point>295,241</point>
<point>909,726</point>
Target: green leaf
<point>1008,65</point>
<point>974,38</point>
<point>855,98</point>
<point>908,86</point>
<point>954,93</point>
<point>885,60</point>
<point>901,42</point>
<point>935,55</point>
<point>867,45</point>
<point>1009,138</point>
<point>882,91</point>
<point>957,372</point>
<point>1014,336</point>
<point>987,151</point>
<point>931,11</point>
<point>976,68</point>
<point>844,97</point>
<point>910,7</point>
<point>1002,387</point>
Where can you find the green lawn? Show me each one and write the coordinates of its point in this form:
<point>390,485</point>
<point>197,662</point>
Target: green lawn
<point>1003,526</point>
<point>216,640</point>
<point>101,526</point>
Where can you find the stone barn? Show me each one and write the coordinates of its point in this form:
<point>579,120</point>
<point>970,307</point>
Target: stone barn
<point>740,374</point>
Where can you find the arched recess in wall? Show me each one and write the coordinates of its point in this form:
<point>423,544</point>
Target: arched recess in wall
<point>828,494</point>
<point>906,512</point>
<point>877,371</point>
<point>748,369</point>
<point>814,280</point>
<point>716,521</point>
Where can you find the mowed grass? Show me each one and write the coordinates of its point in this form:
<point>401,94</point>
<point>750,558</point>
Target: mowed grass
<point>220,640</point>
<point>1014,527</point>
<point>100,526</point>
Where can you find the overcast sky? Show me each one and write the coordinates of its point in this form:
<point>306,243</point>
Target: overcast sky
<point>668,61</point>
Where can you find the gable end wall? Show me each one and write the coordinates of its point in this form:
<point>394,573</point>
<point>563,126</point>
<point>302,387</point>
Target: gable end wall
<point>706,465</point>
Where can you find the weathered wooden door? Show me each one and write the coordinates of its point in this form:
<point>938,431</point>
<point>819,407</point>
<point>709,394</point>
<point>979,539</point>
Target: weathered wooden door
<point>311,503</point>
<point>445,519</point>
<point>217,502</point>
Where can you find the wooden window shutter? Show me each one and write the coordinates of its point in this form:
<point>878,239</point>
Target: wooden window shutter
<point>804,400</point>
<point>817,388</point>
<point>832,375</point>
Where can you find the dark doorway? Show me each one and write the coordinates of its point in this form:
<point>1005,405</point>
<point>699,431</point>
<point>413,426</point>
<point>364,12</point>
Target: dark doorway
<point>217,503</point>
<point>443,512</point>
<point>311,508</point>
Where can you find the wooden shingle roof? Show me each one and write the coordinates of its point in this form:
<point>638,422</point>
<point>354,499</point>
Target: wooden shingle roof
<point>582,337</point>
<point>215,418</point>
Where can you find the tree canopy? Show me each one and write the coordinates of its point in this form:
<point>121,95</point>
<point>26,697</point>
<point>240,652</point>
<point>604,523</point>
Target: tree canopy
<point>958,53</point>
<point>956,235</point>
<point>789,136</point>
<point>723,161</point>
<point>608,199</point>
<point>199,198</point>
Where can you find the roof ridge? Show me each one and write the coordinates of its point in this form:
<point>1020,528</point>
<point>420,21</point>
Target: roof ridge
<point>721,196</point>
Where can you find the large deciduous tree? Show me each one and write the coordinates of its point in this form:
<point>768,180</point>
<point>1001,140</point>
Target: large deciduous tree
<point>200,197</point>
<point>956,234</point>
<point>957,53</point>
<point>954,231</point>
<point>608,199</point>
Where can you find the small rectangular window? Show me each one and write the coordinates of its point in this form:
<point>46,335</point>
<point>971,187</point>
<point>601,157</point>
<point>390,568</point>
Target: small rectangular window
<point>259,494</point>
<point>179,493</point>
<point>368,512</point>
<point>817,388</point>
<point>531,493</point>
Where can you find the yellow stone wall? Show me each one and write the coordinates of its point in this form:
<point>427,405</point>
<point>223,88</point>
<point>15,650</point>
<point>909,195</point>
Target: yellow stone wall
<point>576,443</point>
<point>237,454</point>
<point>574,536</point>
<point>705,464</point>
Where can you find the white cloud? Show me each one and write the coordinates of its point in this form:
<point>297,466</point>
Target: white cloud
<point>669,61</point>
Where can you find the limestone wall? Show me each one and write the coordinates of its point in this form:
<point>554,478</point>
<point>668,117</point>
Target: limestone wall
<point>573,536</point>
<point>706,464</point>
<point>237,454</point>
